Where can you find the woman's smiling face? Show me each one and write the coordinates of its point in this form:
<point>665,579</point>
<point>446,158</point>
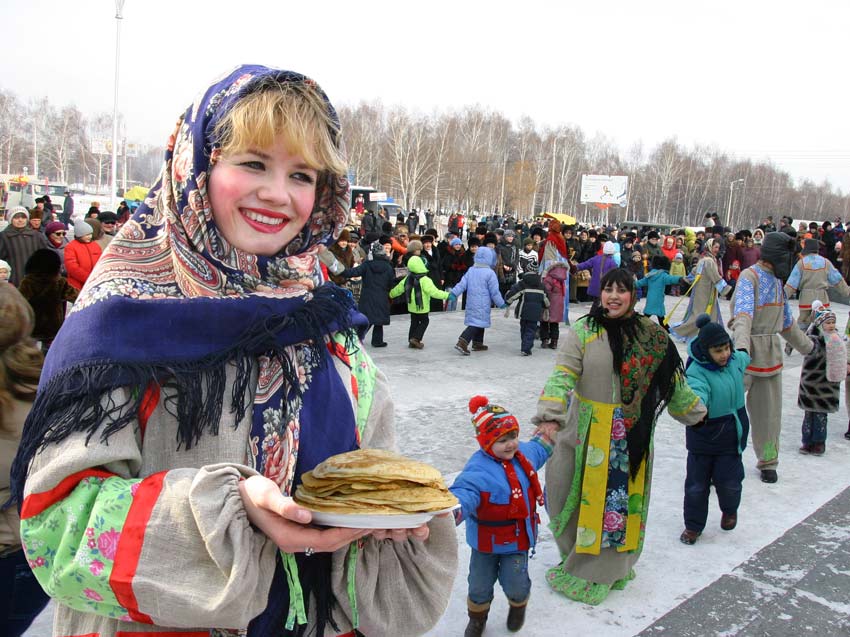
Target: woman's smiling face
<point>616,300</point>
<point>261,198</point>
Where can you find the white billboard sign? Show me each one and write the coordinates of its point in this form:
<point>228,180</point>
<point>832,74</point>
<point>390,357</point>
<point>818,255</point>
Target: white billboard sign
<point>377,196</point>
<point>610,189</point>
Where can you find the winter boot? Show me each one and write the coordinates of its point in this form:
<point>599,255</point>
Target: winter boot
<point>847,435</point>
<point>818,448</point>
<point>544,343</point>
<point>689,536</point>
<point>553,344</point>
<point>463,346</point>
<point>728,521</point>
<point>479,347</point>
<point>769,475</point>
<point>477,618</point>
<point>516,615</point>
<point>415,343</point>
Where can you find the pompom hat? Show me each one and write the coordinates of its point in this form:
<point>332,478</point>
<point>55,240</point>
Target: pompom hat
<point>711,334</point>
<point>821,314</point>
<point>491,422</point>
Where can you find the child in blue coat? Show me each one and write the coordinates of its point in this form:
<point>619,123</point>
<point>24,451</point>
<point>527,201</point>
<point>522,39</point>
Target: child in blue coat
<point>482,292</point>
<point>655,282</point>
<point>499,492</point>
<point>716,374</point>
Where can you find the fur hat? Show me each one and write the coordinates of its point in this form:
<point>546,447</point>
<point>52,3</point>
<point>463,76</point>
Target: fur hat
<point>711,334</point>
<point>636,256</point>
<point>43,261</point>
<point>491,422</point>
<point>107,216</point>
<point>414,246</point>
<point>345,235</point>
<point>609,248</point>
<point>810,246</point>
<point>81,228</point>
<point>652,235</point>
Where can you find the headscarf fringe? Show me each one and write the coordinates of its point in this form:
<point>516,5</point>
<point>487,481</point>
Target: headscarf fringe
<point>81,399</point>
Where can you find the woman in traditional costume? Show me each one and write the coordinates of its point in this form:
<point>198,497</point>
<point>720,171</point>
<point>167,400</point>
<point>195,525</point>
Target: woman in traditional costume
<point>707,286</point>
<point>615,372</point>
<point>205,367</point>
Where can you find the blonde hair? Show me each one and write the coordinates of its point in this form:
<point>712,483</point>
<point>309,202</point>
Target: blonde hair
<point>295,111</point>
<point>20,358</point>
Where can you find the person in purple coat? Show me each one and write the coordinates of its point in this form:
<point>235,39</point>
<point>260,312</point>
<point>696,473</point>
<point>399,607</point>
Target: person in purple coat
<point>599,265</point>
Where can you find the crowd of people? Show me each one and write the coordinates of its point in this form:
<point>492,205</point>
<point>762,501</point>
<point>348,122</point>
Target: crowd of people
<point>147,479</point>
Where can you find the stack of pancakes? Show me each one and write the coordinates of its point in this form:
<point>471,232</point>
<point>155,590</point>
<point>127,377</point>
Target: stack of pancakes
<point>373,482</point>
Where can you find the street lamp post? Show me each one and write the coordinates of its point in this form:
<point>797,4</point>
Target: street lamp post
<point>552,185</point>
<point>119,6</point>
<point>729,208</point>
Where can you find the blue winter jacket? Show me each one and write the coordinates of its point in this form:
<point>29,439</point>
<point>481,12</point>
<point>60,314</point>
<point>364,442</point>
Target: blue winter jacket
<point>655,282</point>
<point>722,390</point>
<point>482,289</point>
<point>483,482</point>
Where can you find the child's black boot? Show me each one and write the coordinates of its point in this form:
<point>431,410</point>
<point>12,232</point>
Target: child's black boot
<point>516,615</point>
<point>553,344</point>
<point>477,618</point>
<point>544,343</point>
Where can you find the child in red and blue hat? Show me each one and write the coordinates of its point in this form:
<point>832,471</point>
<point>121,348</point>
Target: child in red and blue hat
<point>499,492</point>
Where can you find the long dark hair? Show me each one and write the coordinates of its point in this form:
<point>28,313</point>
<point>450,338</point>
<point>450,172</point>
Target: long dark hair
<point>625,333</point>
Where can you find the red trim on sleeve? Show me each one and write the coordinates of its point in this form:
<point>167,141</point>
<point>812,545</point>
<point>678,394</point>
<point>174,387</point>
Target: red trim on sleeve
<point>155,633</point>
<point>130,548</point>
<point>149,403</point>
<point>36,503</point>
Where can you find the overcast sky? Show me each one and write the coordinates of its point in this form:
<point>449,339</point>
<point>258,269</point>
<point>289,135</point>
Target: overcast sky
<point>759,79</point>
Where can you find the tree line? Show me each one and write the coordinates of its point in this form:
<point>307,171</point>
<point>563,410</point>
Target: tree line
<point>472,159</point>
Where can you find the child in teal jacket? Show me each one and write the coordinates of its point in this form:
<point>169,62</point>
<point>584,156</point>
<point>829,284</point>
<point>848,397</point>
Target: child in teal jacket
<point>716,374</point>
<point>418,289</point>
<point>655,282</point>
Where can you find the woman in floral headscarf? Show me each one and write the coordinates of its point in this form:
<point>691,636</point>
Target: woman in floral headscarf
<point>615,372</point>
<point>202,371</point>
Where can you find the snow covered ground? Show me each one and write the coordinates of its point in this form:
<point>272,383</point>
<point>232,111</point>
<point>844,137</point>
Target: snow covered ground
<point>431,388</point>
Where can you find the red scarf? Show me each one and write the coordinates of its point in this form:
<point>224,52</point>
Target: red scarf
<point>517,509</point>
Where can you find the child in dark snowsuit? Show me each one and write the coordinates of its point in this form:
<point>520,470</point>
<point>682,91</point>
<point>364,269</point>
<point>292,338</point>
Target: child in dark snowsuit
<point>716,374</point>
<point>501,526</point>
<point>532,301</point>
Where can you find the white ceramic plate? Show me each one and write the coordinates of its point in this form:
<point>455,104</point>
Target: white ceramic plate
<point>361,521</point>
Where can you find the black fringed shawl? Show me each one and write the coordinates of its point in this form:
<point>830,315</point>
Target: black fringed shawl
<point>644,354</point>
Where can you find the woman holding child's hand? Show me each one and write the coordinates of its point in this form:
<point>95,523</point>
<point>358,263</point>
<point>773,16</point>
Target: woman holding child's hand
<point>615,372</point>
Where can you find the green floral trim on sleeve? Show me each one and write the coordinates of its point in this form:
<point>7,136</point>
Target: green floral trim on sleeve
<point>71,546</point>
<point>365,372</point>
<point>684,399</point>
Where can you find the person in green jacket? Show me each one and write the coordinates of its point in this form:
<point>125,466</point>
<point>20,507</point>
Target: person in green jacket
<point>418,289</point>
